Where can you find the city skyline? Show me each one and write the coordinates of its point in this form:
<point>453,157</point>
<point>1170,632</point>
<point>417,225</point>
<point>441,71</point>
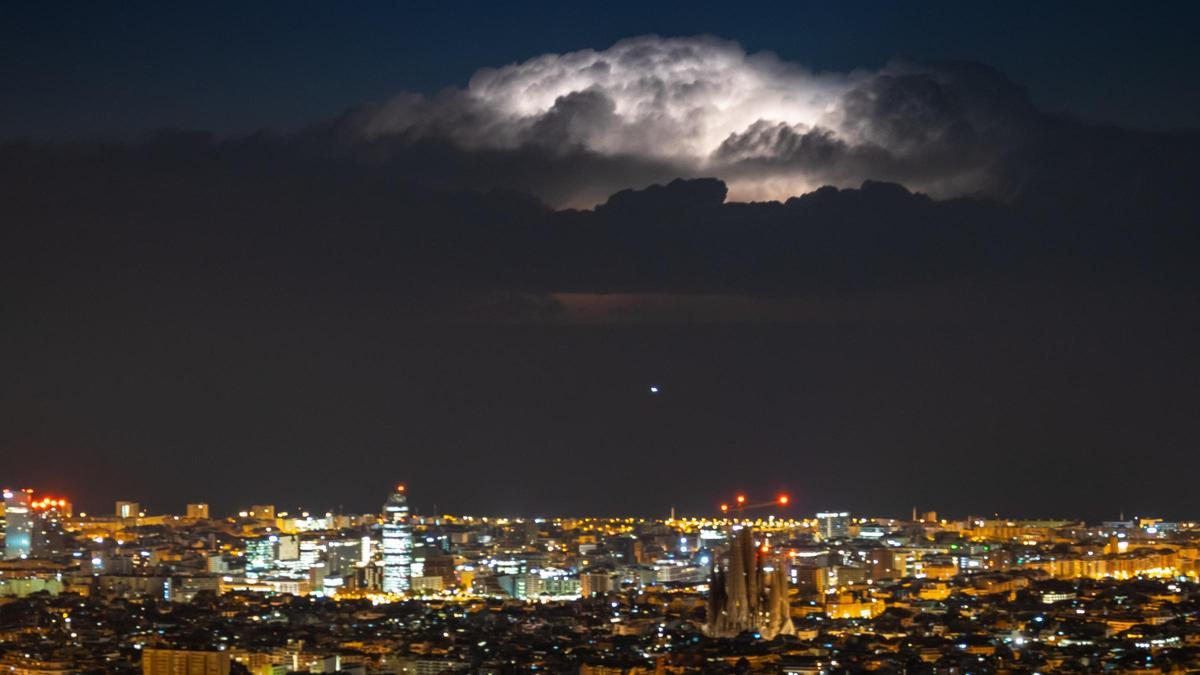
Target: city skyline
<point>832,524</point>
<point>266,592</point>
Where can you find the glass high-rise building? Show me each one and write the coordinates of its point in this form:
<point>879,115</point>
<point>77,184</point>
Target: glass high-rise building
<point>397,543</point>
<point>262,553</point>
<point>18,524</point>
<point>833,525</point>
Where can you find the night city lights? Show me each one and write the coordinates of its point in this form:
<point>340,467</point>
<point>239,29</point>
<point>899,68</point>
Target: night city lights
<point>667,592</point>
<point>817,337</point>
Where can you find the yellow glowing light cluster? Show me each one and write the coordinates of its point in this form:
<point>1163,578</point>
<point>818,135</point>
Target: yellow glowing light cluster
<point>48,503</point>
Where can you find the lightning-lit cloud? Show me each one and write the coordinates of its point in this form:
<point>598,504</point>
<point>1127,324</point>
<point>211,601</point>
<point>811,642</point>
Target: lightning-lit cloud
<point>461,192</point>
<point>703,106</point>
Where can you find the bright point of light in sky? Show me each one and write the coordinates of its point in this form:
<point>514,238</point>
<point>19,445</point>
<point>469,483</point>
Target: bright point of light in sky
<point>653,389</point>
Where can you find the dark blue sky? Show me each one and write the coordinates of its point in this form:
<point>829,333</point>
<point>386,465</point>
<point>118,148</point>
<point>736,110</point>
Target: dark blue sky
<point>311,319</point>
<point>71,70</point>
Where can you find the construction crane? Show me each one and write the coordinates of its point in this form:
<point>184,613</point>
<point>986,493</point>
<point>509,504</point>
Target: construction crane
<point>740,505</point>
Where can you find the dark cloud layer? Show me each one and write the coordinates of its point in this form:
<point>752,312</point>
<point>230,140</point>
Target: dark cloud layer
<point>266,212</point>
<point>978,280</point>
<point>426,189</point>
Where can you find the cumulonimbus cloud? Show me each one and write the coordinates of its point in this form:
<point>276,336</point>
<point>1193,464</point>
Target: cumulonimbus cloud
<point>703,106</point>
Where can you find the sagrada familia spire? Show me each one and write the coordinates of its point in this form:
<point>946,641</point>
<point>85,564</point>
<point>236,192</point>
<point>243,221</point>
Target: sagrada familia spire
<point>744,596</point>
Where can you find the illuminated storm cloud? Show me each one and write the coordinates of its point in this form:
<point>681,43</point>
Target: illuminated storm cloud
<point>770,128</point>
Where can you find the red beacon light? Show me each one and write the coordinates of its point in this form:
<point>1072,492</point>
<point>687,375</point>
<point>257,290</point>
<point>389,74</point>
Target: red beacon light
<point>741,505</point>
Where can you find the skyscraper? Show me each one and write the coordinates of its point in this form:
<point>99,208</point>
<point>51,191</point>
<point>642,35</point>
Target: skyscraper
<point>18,524</point>
<point>833,525</point>
<point>397,543</point>
<point>46,516</point>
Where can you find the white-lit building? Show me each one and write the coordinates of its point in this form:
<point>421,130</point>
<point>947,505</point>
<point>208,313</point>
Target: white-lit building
<point>18,524</point>
<point>833,524</point>
<point>397,543</point>
<point>125,510</point>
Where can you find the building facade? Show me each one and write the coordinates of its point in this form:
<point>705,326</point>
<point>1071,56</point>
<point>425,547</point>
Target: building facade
<point>184,662</point>
<point>833,525</point>
<point>18,524</point>
<point>397,543</point>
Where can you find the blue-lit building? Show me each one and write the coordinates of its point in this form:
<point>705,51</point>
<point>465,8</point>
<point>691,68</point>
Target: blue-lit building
<point>18,524</point>
<point>397,543</point>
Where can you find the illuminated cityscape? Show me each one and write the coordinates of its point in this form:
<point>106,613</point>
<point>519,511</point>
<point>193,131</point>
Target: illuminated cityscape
<point>751,588</point>
<point>780,337</point>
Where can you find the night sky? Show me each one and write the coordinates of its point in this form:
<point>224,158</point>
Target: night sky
<point>875,255</point>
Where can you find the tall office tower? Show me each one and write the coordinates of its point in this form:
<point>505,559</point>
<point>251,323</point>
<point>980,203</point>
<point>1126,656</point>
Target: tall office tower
<point>833,525</point>
<point>127,510</point>
<point>47,516</point>
<point>397,543</point>
<point>18,524</point>
<point>199,511</point>
<point>748,595</point>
